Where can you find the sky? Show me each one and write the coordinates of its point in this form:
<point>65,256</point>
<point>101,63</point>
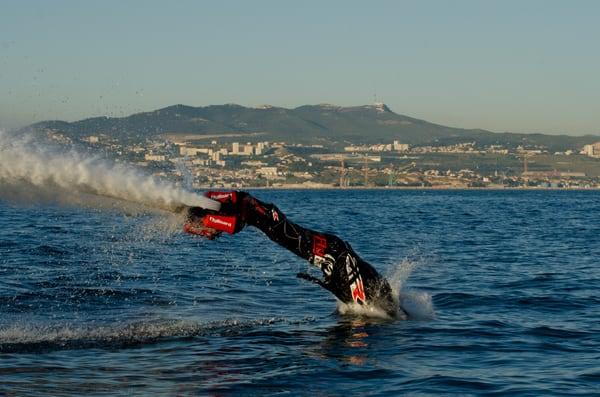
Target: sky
<point>519,66</point>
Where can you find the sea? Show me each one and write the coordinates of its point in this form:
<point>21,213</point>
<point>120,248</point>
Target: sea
<point>502,289</point>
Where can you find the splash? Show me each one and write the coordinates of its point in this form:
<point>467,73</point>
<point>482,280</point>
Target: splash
<point>369,311</point>
<point>414,304</point>
<point>32,171</point>
<point>417,304</point>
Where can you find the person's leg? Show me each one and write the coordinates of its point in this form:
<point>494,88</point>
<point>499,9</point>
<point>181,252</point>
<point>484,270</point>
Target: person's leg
<point>345,274</point>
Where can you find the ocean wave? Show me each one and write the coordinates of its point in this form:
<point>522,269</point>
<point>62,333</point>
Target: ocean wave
<point>553,332</point>
<point>459,300</point>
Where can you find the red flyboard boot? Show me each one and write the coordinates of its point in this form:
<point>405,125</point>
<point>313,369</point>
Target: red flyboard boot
<point>210,225</point>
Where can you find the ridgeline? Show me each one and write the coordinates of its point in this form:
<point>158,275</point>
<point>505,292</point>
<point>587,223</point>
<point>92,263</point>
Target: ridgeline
<point>320,124</point>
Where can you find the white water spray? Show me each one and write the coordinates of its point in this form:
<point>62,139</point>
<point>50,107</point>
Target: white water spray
<point>20,337</point>
<point>30,170</point>
<point>417,304</point>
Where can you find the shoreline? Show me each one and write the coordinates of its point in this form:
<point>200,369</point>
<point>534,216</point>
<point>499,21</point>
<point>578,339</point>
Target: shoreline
<point>444,188</point>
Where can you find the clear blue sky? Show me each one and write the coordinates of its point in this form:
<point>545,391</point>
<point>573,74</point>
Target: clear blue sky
<point>522,66</point>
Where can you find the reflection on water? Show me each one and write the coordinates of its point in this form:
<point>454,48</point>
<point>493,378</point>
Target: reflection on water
<point>348,340</point>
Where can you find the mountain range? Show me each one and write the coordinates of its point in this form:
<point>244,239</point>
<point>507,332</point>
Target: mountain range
<point>322,123</point>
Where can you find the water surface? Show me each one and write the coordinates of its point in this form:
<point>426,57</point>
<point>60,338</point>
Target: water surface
<point>102,303</point>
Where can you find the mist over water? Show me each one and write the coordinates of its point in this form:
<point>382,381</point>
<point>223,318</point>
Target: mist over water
<point>34,171</point>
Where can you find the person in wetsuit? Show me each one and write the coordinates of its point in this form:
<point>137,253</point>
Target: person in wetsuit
<point>345,274</point>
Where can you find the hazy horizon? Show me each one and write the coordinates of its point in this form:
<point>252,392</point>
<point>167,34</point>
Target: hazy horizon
<point>504,67</point>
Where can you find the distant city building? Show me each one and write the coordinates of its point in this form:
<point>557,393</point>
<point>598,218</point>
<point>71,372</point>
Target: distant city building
<point>92,139</point>
<point>364,148</point>
<point>400,147</point>
<point>155,157</point>
<point>235,148</point>
<point>352,149</point>
<point>201,161</point>
<point>254,163</point>
<point>592,150</point>
<point>553,174</point>
<point>260,146</point>
<point>267,171</point>
<point>248,150</point>
<point>498,149</point>
<point>374,148</point>
<point>192,151</point>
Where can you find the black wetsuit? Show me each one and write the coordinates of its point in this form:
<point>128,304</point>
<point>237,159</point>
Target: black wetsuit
<point>345,274</point>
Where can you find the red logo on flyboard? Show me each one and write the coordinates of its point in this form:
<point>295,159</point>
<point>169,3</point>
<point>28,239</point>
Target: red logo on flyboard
<point>319,245</point>
<point>357,289</point>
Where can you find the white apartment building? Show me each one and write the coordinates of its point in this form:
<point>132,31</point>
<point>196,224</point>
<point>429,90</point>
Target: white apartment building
<point>267,171</point>
<point>192,151</point>
<point>260,147</point>
<point>400,147</point>
<point>592,150</point>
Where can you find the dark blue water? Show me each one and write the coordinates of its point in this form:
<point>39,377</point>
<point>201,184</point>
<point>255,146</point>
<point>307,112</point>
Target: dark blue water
<point>103,303</point>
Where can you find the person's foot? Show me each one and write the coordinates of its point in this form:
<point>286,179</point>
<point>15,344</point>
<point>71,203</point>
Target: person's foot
<point>208,224</point>
<point>194,223</point>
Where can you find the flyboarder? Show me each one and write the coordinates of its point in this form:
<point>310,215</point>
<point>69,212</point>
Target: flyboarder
<point>345,274</point>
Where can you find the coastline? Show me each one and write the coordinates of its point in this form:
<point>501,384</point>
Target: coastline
<point>436,188</point>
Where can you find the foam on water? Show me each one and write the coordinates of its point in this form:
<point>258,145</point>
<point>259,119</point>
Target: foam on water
<point>27,337</point>
<point>355,309</point>
<point>31,170</point>
<point>417,304</point>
